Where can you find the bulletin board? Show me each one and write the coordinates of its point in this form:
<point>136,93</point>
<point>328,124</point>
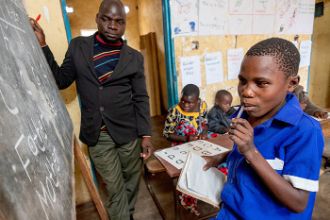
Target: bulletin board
<point>212,36</point>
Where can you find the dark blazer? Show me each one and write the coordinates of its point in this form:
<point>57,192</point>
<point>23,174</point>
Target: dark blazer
<point>122,101</point>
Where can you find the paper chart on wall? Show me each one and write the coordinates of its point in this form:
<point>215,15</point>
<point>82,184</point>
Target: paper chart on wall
<point>305,53</point>
<point>213,17</point>
<point>234,59</point>
<point>221,17</point>
<point>190,70</point>
<point>293,17</point>
<point>184,17</point>
<point>213,67</point>
<point>177,155</point>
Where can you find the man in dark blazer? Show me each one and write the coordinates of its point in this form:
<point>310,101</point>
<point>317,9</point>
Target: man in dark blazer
<point>115,119</point>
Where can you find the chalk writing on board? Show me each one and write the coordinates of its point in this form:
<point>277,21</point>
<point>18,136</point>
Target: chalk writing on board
<point>36,132</point>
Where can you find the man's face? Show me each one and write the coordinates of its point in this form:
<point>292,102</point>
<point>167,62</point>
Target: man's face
<point>224,102</point>
<point>189,103</point>
<point>111,21</point>
<point>262,87</point>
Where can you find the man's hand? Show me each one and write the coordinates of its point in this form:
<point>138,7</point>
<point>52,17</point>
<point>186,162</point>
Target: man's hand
<point>38,31</point>
<point>212,161</point>
<point>321,114</point>
<point>147,147</point>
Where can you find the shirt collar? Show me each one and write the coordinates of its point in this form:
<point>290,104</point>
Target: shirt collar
<point>291,112</point>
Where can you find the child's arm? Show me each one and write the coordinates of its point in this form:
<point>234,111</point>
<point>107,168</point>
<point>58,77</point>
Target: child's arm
<point>242,134</point>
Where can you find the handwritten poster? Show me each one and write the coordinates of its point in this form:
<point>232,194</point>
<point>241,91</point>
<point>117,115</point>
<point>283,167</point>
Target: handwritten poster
<point>213,67</point>
<point>190,70</point>
<point>305,53</point>
<point>177,155</point>
<point>184,17</point>
<point>212,17</point>
<point>234,58</point>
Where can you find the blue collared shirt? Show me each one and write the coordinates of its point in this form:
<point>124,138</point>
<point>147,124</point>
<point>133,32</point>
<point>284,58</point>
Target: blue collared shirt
<point>292,143</point>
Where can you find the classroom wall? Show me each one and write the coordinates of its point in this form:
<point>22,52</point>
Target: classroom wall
<point>85,13</point>
<point>319,85</point>
<point>151,20</point>
<point>209,44</point>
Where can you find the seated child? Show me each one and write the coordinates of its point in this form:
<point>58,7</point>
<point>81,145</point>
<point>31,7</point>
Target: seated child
<point>275,162</point>
<point>187,122</point>
<point>307,105</point>
<point>218,117</point>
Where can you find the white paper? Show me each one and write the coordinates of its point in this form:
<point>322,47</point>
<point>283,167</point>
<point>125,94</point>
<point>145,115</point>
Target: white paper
<point>294,17</point>
<point>213,67</point>
<point>234,58</point>
<point>213,17</point>
<point>206,184</point>
<point>305,53</point>
<point>190,70</point>
<point>184,17</point>
<point>177,155</point>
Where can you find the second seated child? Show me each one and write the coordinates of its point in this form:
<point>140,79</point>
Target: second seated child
<point>219,115</point>
<point>187,122</point>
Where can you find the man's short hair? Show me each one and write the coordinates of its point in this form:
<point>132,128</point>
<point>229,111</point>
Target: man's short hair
<point>285,53</point>
<point>189,90</point>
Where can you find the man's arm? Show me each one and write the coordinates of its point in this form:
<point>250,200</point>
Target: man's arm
<point>314,110</point>
<point>64,75</point>
<point>141,105</point>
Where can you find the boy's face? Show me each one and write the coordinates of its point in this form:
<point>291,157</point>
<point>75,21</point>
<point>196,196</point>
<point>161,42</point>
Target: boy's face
<point>224,102</point>
<point>189,103</point>
<point>263,87</point>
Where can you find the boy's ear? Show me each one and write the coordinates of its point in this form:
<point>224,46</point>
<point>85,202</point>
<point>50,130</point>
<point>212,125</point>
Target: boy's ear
<point>293,83</point>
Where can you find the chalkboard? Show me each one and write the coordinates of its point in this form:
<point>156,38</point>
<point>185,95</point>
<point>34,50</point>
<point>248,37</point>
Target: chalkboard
<point>36,133</point>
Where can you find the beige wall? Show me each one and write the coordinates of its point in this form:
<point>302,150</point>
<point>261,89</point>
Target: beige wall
<point>151,20</point>
<point>319,90</point>
<point>209,44</point>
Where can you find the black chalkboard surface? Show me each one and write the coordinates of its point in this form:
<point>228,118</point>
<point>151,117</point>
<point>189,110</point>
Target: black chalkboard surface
<point>36,133</point>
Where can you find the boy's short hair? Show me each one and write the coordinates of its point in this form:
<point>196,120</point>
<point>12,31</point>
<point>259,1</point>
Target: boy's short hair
<point>284,52</point>
<point>221,93</point>
<point>189,90</point>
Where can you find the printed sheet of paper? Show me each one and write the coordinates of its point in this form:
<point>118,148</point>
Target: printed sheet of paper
<point>191,70</point>
<point>234,58</point>
<point>305,53</point>
<point>213,67</point>
<point>177,155</point>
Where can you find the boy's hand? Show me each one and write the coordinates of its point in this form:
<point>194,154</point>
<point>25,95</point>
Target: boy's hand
<point>241,133</point>
<point>211,161</point>
<point>147,147</point>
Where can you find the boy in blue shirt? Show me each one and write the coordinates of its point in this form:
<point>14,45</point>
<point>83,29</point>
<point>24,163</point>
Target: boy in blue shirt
<point>275,163</point>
